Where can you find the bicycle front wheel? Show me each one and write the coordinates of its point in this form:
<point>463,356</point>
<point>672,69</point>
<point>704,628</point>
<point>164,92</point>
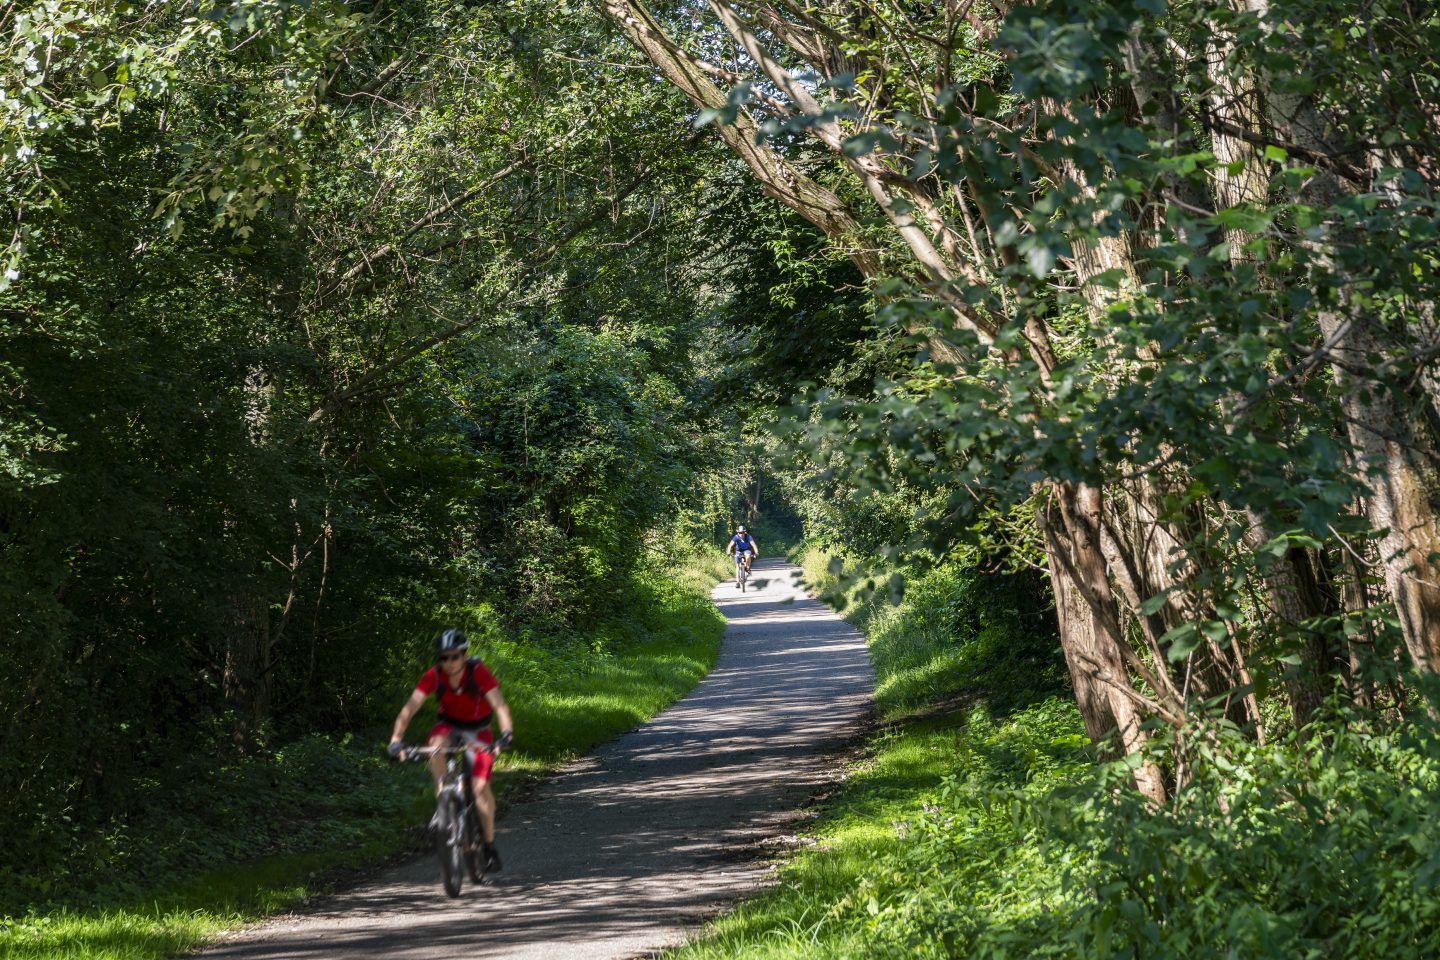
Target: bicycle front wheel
<point>474,854</point>
<point>449,843</point>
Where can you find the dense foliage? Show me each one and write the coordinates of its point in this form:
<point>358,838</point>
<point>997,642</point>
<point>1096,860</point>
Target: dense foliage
<point>1152,287</point>
<point>958,633</point>
<point>1108,334</point>
<point>322,324</point>
<point>1152,292</point>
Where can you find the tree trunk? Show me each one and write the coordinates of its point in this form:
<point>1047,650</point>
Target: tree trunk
<point>777,177</point>
<point>1387,423</point>
<point>1403,501</point>
<point>247,675</point>
<point>784,181</point>
<point>1143,547</point>
<point>1355,601</point>
<point>1090,628</point>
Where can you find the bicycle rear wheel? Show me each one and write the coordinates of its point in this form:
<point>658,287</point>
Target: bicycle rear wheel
<point>449,843</point>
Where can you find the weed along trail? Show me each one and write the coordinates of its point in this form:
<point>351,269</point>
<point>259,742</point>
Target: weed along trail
<point>632,845</point>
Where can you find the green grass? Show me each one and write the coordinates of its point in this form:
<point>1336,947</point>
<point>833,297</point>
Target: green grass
<point>699,566</point>
<point>858,867</point>
<point>980,825</point>
<point>840,896</point>
<point>564,703</point>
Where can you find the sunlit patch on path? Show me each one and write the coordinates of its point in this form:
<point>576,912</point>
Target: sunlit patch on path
<point>652,832</point>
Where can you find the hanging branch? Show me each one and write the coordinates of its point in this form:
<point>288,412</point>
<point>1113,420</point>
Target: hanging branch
<point>369,261</point>
<point>536,263</point>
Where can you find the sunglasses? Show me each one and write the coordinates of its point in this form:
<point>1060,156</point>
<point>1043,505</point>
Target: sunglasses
<point>450,656</point>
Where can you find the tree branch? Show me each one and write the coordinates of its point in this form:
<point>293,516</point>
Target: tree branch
<point>368,261</point>
<point>535,263</point>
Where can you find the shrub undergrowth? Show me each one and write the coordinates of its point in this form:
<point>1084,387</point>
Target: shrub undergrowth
<point>956,633</point>
<point>990,828</point>
<point>220,845</point>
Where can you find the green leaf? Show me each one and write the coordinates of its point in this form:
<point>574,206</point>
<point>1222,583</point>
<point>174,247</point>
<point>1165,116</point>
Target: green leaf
<point>1153,604</point>
<point>1040,259</point>
<point>1182,641</point>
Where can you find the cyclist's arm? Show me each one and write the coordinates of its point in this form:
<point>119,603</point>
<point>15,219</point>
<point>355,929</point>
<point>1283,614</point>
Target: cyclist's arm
<point>496,699</point>
<point>755,548</point>
<point>402,719</point>
<point>729,548</point>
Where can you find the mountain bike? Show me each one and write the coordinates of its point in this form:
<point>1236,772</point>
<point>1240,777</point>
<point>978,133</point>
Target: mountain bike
<point>458,838</point>
<point>742,571</point>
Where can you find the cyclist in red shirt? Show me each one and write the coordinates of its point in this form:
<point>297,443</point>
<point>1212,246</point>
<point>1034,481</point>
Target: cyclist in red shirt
<point>469,696</point>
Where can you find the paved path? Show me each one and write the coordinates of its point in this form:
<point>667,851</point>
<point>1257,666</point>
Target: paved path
<point>629,847</point>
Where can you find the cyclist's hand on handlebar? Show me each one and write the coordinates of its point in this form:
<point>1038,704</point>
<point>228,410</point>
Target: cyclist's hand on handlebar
<point>396,750</point>
<point>503,744</point>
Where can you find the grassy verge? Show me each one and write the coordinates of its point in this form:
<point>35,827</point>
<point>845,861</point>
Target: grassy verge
<point>981,825</point>
<point>957,636</point>
<point>329,810</point>
<point>839,896</point>
<point>866,888</point>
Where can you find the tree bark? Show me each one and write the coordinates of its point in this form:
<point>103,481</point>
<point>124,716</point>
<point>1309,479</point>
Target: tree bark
<point>247,676</point>
<point>1388,424</point>
<point>777,177</point>
<point>1090,629</point>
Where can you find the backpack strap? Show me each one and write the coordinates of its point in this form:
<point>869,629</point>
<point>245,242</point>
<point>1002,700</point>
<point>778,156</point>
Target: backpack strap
<point>467,685</point>
<point>467,682</point>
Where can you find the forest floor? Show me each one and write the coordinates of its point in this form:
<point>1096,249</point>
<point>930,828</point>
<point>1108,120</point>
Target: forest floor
<point>629,847</point>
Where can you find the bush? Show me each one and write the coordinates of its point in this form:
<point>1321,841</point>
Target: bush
<point>991,831</point>
<point>1292,851</point>
<point>1328,846</point>
<point>948,631</point>
<point>316,793</point>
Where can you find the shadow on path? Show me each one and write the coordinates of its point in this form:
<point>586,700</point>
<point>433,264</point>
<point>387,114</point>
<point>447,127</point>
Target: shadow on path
<point>654,831</point>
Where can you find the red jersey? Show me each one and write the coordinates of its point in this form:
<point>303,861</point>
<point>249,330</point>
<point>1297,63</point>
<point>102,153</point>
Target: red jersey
<point>467,704</point>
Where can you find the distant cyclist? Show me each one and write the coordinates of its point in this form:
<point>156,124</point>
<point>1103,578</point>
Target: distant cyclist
<point>469,695</point>
<point>743,545</point>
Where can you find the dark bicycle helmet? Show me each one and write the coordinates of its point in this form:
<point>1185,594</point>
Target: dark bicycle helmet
<point>451,640</point>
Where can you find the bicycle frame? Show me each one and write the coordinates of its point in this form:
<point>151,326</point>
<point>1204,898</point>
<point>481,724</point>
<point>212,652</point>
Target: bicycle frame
<point>462,767</point>
<point>458,838</point>
<point>742,569</point>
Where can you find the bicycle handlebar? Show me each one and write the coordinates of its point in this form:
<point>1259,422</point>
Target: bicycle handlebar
<point>413,754</point>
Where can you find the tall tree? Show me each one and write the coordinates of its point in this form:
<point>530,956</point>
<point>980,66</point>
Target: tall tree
<point>1097,208</point>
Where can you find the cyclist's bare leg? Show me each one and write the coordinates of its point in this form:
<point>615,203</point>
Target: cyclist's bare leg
<point>485,807</point>
<point>437,763</point>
